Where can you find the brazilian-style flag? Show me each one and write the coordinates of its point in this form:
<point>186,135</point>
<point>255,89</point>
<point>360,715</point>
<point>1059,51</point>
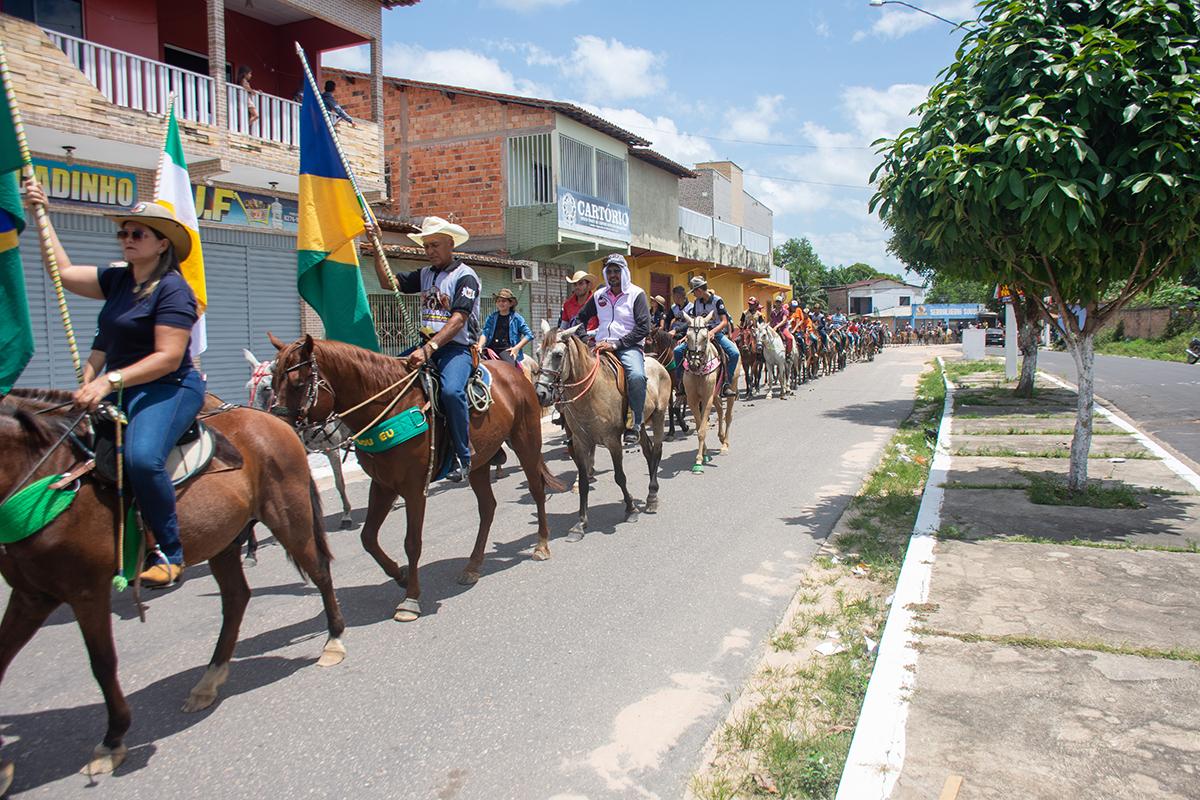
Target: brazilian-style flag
<point>16,334</point>
<point>330,219</point>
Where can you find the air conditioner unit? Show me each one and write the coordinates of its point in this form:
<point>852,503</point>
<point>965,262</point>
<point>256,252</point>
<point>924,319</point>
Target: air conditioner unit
<point>526,272</point>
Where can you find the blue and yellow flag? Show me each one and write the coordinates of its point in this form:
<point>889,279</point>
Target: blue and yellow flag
<point>330,219</point>
<point>16,334</point>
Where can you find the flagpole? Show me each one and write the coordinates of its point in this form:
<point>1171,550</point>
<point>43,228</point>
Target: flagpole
<point>166,135</point>
<point>43,219</point>
<point>368,215</point>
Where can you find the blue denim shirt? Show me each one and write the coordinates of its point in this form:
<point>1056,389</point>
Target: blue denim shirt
<point>517,328</point>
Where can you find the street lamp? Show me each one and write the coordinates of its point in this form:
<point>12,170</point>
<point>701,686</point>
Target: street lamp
<point>881,3</point>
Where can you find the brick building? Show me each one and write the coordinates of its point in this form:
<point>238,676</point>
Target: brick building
<point>93,78</point>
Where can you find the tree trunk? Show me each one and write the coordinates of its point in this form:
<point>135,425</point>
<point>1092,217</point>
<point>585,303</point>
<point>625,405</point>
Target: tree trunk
<point>1081,442</point>
<point>1027,343</point>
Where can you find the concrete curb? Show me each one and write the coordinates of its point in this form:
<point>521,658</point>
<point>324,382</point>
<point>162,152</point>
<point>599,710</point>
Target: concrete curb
<point>877,749</point>
<point>1174,464</point>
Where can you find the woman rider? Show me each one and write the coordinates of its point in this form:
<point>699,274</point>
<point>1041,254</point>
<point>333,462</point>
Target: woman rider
<point>505,331</point>
<point>141,350</point>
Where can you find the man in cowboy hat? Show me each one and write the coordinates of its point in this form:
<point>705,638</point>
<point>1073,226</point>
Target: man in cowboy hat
<point>705,303</point>
<point>582,285</point>
<point>449,292</point>
<point>752,313</point>
<point>503,326</point>
<point>624,323</point>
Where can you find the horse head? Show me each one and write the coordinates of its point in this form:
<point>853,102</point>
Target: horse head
<point>259,384</point>
<point>297,385</point>
<point>554,349</point>
<point>697,339</point>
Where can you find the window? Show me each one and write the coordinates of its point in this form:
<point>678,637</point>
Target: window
<point>905,301</point>
<point>64,16</point>
<point>860,305</point>
<point>611,181</point>
<point>186,59</point>
<point>529,171</point>
<point>576,158</point>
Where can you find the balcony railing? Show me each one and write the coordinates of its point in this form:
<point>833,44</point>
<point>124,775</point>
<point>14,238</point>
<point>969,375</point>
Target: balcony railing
<point>781,275</point>
<point>136,82</point>
<point>278,119</point>
<point>704,226</point>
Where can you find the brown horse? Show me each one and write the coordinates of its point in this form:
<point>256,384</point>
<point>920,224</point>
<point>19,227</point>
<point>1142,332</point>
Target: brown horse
<point>751,358</point>
<point>72,560</point>
<point>660,345</point>
<point>317,380</point>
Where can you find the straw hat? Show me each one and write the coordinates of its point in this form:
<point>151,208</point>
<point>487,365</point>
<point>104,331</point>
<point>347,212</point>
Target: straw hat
<point>435,225</point>
<point>160,219</point>
<point>658,298</point>
<point>697,283</point>
<point>581,275</point>
<point>505,294</point>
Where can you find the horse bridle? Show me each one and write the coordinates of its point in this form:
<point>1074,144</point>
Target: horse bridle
<point>312,392</point>
<point>697,359</point>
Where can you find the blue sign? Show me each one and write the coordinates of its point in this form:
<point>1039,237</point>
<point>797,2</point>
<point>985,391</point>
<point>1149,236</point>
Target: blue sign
<point>80,183</point>
<point>587,214</point>
<point>948,310</point>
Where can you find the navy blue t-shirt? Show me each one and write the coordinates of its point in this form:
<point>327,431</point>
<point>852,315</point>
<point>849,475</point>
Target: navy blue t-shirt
<point>125,330</point>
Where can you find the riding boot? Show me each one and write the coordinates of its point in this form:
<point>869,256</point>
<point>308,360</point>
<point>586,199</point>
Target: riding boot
<point>727,390</point>
<point>161,573</point>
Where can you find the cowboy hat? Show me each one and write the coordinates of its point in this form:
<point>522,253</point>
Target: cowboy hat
<point>505,294</point>
<point>697,283</point>
<point>162,221</point>
<point>752,302</point>
<point>581,275</point>
<point>658,298</point>
<point>435,225</point>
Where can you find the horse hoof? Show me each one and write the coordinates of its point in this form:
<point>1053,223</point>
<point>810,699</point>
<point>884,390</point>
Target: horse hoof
<point>204,693</point>
<point>724,448</point>
<point>541,553</point>
<point>651,505</point>
<point>576,535</point>
<point>247,562</point>
<point>707,458</point>
<point>408,610</point>
<point>333,654</point>
<point>347,522</point>
<point>632,516</point>
<point>697,469</point>
<point>468,578</point>
<point>105,760</point>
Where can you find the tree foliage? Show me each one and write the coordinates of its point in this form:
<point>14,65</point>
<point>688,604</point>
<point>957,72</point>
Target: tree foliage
<point>948,289</point>
<point>810,274</point>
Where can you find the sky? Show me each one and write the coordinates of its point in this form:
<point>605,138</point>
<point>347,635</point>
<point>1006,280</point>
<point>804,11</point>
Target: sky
<point>793,91</point>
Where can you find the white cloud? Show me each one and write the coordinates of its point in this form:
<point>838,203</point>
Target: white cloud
<point>457,67</point>
<point>357,58</point>
<point>882,112</point>
<point>662,131</point>
<point>611,70</point>
<point>529,5</point>
<point>893,22</point>
<point>822,29</point>
<point>755,124</point>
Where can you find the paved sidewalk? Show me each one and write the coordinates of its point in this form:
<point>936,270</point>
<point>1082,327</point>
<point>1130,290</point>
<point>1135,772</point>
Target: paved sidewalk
<point>1053,669</point>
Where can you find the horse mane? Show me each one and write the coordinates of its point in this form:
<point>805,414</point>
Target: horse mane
<point>48,396</point>
<point>40,430</point>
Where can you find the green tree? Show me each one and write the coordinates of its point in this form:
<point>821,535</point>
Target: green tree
<point>801,261</point>
<point>945,288</point>
<point>1057,153</point>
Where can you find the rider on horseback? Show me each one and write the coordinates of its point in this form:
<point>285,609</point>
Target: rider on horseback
<point>449,292</point>
<point>752,314</point>
<point>705,303</point>
<point>779,319</point>
<point>624,322</point>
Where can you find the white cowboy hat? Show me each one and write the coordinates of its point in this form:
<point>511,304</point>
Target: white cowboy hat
<point>432,225</point>
<point>581,276</point>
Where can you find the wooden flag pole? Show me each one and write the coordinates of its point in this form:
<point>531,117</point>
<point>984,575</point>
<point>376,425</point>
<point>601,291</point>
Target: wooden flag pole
<point>166,133</point>
<point>43,219</point>
<point>368,215</point>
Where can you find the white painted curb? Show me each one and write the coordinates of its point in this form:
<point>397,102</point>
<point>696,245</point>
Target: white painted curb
<point>1173,463</point>
<point>877,750</point>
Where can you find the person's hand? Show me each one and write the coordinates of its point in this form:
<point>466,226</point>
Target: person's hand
<point>604,347</point>
<point>514,351</point>
<point>416,358</point>
<point>91,394</point>
<point>712,335</point>
<point>34,193</point>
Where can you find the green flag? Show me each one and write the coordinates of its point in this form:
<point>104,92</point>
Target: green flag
<point>16,334</point>
<point>10,152</point>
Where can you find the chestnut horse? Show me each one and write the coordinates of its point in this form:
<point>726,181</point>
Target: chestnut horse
<point>317,381</point>
<point>752,362</point>
<point>73,559</point>
<point>660,345</point>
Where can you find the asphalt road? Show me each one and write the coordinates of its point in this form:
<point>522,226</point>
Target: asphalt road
<point>599,673</point>
<point>1163,397</point>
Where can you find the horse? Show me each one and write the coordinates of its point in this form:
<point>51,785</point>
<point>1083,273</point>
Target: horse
<point>774,357</point>
<point>660,345</point>
<point>73,559</point>
<point>318,381</point>
<point>751,358</point>
<point>700,375</point>
<point>259,387</point>
<point>593,409</point>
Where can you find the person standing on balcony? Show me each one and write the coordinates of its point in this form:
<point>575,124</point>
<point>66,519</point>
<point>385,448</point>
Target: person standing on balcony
<point>331,105</point>
<point>243,80</point>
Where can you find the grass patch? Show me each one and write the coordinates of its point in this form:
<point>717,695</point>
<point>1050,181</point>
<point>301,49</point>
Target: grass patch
<point>1168,349</point>
<point>1051,491</point>
<point>1054,452</point>
<point>1012,640</point>
<point>952,532</point>
<point>1013,431</point>
<point>1192,547</point>
<point>959,369</point>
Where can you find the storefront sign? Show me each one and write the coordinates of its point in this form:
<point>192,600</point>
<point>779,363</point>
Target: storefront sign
<point>234,207</point>
<point>586,214</point>
<point>948,310</point>
<point>77,183</point>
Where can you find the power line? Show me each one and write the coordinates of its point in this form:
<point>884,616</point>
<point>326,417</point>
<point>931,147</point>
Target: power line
<point>801,180</point>
<point>751,141</point>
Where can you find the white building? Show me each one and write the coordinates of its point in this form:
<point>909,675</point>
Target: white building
<point>874,295</point>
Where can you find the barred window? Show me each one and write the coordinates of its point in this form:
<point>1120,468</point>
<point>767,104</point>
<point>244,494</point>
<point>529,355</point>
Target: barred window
<point>576,158</point>
<point>611,180</point>
<point>529,170</point>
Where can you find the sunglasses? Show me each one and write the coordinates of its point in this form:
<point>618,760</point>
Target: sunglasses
<point>135,235</point>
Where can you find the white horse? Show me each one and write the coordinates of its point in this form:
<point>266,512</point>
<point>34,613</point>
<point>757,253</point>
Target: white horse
<point>774,357</point>
<point>259,386</point>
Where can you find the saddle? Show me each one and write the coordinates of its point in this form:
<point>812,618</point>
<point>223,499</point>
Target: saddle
<point>610,360</point>
<point>196,449</point>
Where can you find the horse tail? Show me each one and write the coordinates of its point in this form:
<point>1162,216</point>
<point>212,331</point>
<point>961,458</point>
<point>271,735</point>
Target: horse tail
<point>552,483</point>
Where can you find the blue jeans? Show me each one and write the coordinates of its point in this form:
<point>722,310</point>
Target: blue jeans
<point>725,343</point>
<point>453,361</point>
<point>158,415</point>
<point>634,362</point>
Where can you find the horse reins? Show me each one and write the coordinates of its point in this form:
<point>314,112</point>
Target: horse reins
<point>560,387</point>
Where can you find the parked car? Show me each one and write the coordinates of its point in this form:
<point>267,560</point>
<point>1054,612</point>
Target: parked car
<point>994,336</point>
